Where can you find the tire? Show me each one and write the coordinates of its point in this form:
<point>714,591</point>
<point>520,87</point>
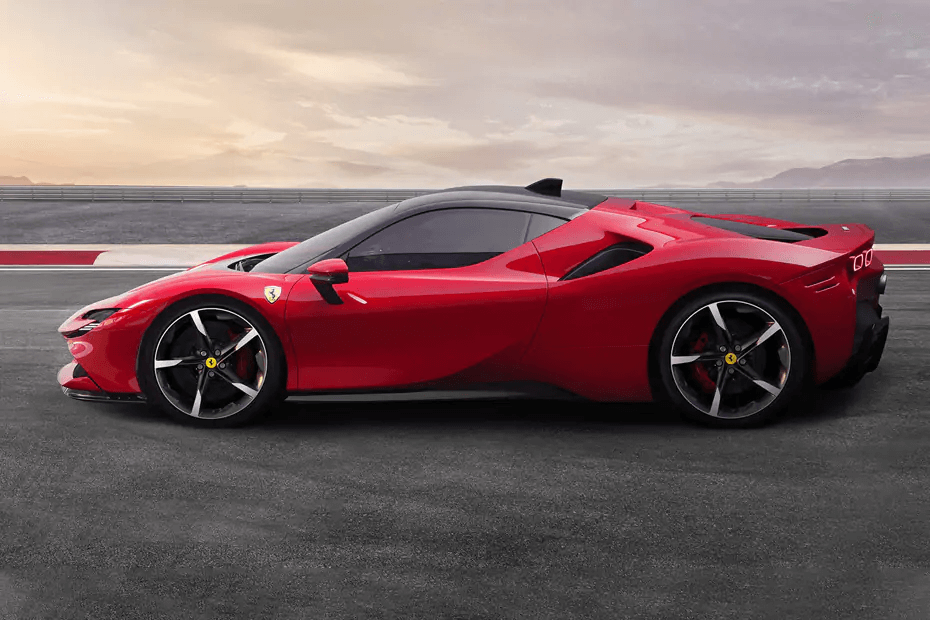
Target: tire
<point>759,379</point>
<point>236,387</point>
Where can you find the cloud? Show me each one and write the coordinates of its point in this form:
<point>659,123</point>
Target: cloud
<point>424,93</point>
<point>344,71</point>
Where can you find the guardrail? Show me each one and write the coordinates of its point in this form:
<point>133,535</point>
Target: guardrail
<point>137,193</point>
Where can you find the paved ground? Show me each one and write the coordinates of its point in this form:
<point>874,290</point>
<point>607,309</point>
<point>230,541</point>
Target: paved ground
<point>205,222</point>
<point>496,509</point>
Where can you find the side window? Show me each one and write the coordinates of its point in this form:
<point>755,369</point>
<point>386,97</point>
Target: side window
<point>441,239</point>
<point>541,224</point>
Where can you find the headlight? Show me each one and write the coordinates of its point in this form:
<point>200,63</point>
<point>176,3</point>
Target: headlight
<point>97,316</point>
<point>101,314</point>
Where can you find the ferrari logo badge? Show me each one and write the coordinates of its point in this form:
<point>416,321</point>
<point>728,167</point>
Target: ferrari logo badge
<point>731,358</point>
<point>272,293</point>
<point>211,362</point>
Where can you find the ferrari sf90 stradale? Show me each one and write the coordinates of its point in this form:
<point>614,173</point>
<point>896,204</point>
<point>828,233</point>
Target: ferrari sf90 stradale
<point>728,317</point>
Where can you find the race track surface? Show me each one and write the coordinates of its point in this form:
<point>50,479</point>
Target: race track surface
<point>482,509</point>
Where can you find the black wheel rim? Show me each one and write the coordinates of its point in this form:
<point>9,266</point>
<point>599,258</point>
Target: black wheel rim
<point>210,363</point>
<point>730,359</point>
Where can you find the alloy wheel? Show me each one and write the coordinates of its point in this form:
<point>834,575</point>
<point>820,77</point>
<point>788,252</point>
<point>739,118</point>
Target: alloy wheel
<point>210,363</point>
<point>730,359</point>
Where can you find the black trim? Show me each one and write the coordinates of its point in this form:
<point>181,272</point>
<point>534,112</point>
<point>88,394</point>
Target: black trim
<point>103,397</point>
<point>608,258</point>
<point>870,335</point>
<point>406,262</point>
<point>323,282</point>
<point>810,231</point>
<point>326,291</point>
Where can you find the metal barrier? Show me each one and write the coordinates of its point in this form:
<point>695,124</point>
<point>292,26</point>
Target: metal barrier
<point>137,193</point>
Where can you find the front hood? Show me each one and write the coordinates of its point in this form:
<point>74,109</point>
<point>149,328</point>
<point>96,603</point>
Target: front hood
<point>204,276</point>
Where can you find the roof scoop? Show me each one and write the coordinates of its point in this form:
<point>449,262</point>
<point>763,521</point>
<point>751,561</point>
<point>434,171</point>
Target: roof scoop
<point>547,187</point>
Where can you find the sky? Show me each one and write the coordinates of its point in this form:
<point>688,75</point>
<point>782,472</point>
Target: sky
<point>429,94</point>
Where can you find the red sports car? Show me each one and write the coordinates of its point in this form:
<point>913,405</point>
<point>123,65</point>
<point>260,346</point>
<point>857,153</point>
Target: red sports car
<point>728,317</point>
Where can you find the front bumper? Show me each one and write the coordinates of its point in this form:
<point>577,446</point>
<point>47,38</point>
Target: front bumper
<point>75,383</point>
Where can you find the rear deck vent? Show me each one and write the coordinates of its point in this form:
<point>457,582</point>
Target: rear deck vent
<point>754,230</point>
<point>812,232</point>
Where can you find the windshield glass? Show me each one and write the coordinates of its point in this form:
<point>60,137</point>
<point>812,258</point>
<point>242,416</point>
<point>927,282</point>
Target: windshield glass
<point>319,244</point>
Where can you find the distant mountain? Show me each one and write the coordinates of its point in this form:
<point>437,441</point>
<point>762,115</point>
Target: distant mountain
<point>880,172</point>
<point>15,181</point>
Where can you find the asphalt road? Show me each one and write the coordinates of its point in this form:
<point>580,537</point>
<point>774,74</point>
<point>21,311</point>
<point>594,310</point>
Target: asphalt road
<point>487,509</point>
<point>232,222</point>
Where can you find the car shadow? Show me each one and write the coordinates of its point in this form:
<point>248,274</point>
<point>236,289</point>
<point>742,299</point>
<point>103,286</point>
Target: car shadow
<point>818,406</point>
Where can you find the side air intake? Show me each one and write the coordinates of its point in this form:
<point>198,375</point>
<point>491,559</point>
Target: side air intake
<point>608,258</point>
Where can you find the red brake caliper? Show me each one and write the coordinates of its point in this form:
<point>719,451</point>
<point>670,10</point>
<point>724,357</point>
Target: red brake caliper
<point>699,371</point>
<point>244,363</point>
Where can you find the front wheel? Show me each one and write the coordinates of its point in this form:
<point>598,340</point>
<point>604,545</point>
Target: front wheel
<point>212,362</point>
<point>733,359</point>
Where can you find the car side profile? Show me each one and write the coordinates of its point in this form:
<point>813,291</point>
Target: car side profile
<point>727,317</point>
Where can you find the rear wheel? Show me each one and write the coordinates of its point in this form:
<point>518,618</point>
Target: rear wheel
<point>212,362</point>
<point>732,359</point>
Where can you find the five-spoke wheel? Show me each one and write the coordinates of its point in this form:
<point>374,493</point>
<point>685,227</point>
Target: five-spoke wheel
<point>211,363</point>
<point>732,359</point>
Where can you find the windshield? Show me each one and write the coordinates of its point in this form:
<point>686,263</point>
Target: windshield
<point>320,244</point>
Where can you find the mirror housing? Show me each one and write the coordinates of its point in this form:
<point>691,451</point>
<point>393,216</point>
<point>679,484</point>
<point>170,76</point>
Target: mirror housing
<point>325,273</point>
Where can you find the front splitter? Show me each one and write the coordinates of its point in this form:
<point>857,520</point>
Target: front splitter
<point>104,397</point>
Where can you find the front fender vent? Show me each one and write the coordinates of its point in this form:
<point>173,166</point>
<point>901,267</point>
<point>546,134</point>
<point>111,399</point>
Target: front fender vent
<point>608,258</point>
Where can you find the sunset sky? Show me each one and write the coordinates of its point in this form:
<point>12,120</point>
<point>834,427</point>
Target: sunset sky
<point>424,94</point>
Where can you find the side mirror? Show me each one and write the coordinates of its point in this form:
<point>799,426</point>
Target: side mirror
<point>326,273</point>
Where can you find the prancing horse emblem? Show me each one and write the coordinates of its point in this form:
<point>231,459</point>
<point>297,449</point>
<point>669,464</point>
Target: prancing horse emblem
<point>272,293</point>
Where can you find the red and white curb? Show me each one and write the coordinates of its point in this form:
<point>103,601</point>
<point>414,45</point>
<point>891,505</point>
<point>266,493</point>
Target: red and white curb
<point>174,257</point>
<point>171,257</point>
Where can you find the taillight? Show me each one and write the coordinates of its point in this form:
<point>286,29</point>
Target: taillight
<point>863,259</point>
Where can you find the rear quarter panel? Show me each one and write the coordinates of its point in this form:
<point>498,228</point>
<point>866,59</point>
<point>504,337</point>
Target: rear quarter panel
<point>596,331</point>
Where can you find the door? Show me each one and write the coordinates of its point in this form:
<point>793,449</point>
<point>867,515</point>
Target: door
<point>438,293</point>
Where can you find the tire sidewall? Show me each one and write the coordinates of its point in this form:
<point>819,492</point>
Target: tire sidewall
<point>796,375</point>
<point>272,386</point>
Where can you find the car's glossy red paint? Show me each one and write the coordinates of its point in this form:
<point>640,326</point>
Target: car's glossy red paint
<point>508,318</point>
<point>409,327</point>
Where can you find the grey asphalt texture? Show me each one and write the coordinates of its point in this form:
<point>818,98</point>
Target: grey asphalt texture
<point>481,509</point>
<point>256,222</point>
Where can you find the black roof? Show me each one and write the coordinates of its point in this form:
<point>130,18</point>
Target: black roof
<point>543,192</point>
<point>545,197</point>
